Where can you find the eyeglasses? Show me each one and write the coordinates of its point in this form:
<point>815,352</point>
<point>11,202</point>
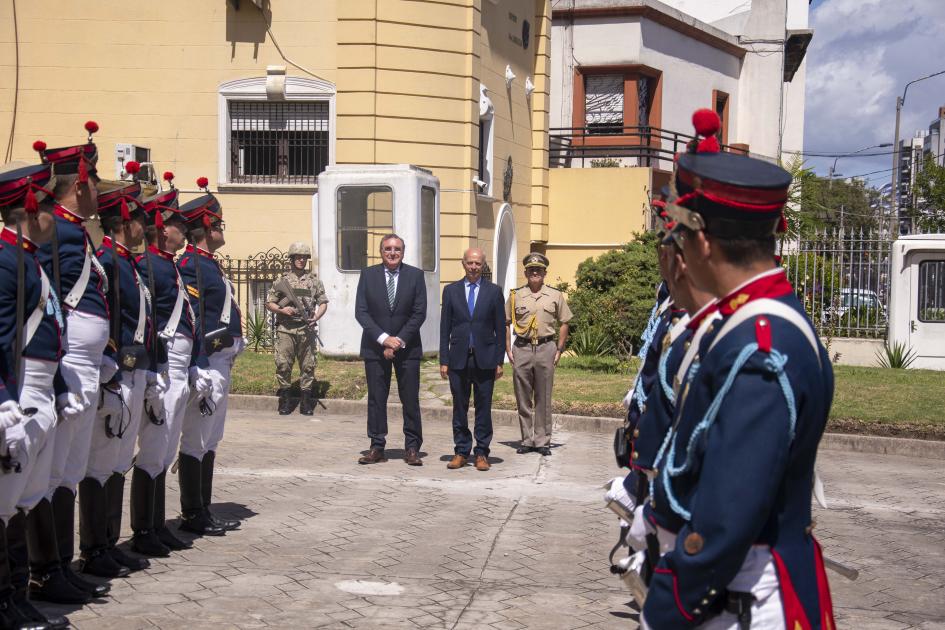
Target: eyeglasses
<point>219,226</point>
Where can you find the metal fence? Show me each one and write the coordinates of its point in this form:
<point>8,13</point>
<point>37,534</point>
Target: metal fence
<point>842,276</point>
<point>252,277</point>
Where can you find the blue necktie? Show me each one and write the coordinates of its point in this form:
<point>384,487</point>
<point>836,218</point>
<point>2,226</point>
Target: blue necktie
<point>471,302</point>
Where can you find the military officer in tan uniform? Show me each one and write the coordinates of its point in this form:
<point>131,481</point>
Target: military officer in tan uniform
<point>296,336</point>
<point>535,312</point>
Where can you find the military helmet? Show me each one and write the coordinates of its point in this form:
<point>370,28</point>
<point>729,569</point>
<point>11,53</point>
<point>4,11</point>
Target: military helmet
<point>299,248</point>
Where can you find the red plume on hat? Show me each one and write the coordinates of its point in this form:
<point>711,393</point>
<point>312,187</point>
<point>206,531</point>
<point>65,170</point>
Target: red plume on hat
<point>30,203</point>
<point>92,127</point>
<point>169,178</point>
<point>707,124</point>
<point>39,146</point>
<point>132,168</point>
<point>203,183</point>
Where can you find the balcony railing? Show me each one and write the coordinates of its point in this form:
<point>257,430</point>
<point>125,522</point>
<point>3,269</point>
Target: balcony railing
<point>578,147</point>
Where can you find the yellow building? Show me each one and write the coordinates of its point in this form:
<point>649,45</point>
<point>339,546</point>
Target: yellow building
<point>261,95</point>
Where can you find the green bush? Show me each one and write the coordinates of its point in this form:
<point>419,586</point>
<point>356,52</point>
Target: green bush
<point>591,341</point>
<point>614,293</point>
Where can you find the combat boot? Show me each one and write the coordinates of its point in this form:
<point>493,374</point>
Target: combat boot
<point>285,403</point>
<point>47,582</point>
<point>307,406</point>
<point>144,541</point>
<point>159,524</point>
<point>11,616</point>
<point>193,519</point>
<point>115,492</point>
<point>93,532</point>
<point>206,488</point>
<point>63,503</point>
<point>18,554</point>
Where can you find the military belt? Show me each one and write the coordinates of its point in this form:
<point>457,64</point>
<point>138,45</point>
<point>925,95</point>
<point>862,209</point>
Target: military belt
<point>525,341</point>
<point>739,604</point>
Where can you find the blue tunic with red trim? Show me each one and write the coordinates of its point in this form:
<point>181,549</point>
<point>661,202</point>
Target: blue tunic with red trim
<point>214,292</point>
<point>46,344</point>
<point>743,475</point>
<point>74,242</point>
<point>128,294</point>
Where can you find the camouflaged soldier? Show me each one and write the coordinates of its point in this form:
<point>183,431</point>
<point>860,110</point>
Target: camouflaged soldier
<point>298,299</point>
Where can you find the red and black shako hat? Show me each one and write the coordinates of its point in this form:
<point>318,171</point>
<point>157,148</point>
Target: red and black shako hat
<point>26,186</point>
<point>120,198</point>
<point>727,194</point>
<point>79,159</point>
<point>203,211</point>
<point>163,205</point>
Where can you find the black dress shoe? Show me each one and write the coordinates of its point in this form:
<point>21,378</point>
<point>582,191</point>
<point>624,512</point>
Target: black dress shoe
<point>12,617</point>
<point>521,450</point>
<point>101,564</point>
<point>226,524</point>
<point>93,589</point>
<point>29,611</point>
<point>171,541</point>
<point>147,543</point>
<point>132,564</point>
<point>544,450</point>
<point>201,525</point>
<point>56,588</point>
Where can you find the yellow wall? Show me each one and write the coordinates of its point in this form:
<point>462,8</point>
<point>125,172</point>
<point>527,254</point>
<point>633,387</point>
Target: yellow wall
<point>591,211</point>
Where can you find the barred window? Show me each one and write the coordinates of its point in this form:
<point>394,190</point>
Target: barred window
<point>278,142</point>
<point>603,103</point>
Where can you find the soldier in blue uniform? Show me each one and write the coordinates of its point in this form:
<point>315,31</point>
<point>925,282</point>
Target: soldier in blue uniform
<point>731,501</point>
<point>174,326</point>
<point>124,379</point>
<point>220,337</point>
<point>31,388</point>
<point>68,259</point>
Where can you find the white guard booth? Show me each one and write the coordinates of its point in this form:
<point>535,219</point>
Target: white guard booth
<point>917,298</point>
<point>356,205</point>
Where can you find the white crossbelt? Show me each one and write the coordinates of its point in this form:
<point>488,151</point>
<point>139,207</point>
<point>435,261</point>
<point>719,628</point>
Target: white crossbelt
<point>693,349</point>
<point>78,289</point>
<point>142,309</point>
<point>227,302</point>
<point>677,329</point>
<point>32,324</point>
<point>767,306</point>
<point>174,320</point>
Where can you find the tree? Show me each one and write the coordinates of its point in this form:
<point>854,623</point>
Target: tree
<point>928,214</point>
<point>837,203</point>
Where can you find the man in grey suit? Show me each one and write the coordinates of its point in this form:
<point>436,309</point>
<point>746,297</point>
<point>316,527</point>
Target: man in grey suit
<point>472,349</point>
<point>390,306</point>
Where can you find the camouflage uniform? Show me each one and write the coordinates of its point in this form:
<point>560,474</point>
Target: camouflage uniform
<point>293,339</point>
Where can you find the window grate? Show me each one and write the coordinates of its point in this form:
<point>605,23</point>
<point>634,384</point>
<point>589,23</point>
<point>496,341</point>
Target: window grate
<point>278,143</point>
<point>603,103</point>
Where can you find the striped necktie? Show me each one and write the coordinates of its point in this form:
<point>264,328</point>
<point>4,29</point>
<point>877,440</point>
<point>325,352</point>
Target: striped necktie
<point>391,289</point>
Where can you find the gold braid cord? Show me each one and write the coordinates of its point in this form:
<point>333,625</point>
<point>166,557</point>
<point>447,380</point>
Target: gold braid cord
<point>530,329</point>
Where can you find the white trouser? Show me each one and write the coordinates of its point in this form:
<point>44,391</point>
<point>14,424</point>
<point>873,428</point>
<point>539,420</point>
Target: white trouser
<point>105,455</point>
<point>85,340</point>
<point>28,487</point>
<point>759,577</point>
<point>157,443</point>
<point>201,434</point>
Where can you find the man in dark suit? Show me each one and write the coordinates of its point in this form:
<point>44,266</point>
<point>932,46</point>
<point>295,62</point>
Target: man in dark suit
<point>391,304</point>
<point>472,349</point>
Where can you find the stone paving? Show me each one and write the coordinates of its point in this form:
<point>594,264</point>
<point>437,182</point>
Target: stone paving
<point>326,543</point>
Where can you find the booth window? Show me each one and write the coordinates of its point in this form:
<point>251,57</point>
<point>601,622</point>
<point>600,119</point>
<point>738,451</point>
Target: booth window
<point>364,215</point>
<point>427,229</point>
<point>278,142</point>
<point>931,302</point>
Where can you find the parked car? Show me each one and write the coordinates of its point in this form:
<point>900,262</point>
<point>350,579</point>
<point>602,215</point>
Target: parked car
<point>859,304</point>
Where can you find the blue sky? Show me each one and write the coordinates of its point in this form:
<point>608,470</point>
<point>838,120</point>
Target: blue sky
<point>862,55</point>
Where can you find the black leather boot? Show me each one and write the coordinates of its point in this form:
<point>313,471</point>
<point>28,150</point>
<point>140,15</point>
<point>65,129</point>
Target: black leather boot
<point>193,518</point>
<point>63,503</point>
<point>307,406</point>
<point>206,489</point>
<point>159,524</point>
<point>47,583</point>
<point>145,540</point>
<point>115,493</point>
<point>93,532</point>
<point>18,554</point>
<point>11,616</point>
<point>285,403</point>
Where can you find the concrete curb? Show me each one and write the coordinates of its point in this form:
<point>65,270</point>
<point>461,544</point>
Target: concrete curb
<point>925,449</point>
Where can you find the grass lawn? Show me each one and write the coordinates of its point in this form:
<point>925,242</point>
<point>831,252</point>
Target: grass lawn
<point>255,373</point>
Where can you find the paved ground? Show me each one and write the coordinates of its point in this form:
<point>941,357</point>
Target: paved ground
<point>330,544</point>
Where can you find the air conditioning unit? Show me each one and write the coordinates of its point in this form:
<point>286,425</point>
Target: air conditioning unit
<point>125,153</point>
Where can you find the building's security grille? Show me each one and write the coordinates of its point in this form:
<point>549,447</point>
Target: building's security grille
<point>278,143</point>
<point>603,103</point>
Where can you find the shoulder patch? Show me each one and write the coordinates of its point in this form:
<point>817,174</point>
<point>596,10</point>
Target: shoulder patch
<point>763,334</point>
<point>193,291</point>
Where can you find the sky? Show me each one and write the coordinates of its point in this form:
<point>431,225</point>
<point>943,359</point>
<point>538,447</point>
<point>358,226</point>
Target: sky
<point>862,55</point>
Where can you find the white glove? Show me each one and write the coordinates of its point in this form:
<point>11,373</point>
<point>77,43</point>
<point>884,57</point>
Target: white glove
<point>107,370</point>
<point>71,405</point>
<point>201,381</point>
<point>14,444</point>
<point>10,414</point>
<point>627,399</point>
<point>618,494</point>
<point>157,386</point>
<point>219,387</point>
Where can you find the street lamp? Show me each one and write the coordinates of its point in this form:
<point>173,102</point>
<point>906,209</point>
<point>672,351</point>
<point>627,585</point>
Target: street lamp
<point>833,169</point>
<point>893,205</point>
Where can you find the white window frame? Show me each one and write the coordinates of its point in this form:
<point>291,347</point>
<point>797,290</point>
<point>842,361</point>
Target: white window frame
<point>254,89</point>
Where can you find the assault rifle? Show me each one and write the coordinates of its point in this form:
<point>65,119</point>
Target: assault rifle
<point>308,313</point>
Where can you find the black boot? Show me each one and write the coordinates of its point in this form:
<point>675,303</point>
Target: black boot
<point>206,489</point>
<point>11,616</point>
<point>165,535</point>
<point>93,532</point>
<point>115,491</point>
<point>307,406</point>
<point>63,503</point>
<point>18,554</point>
<point>193,519</point>
<point>47,583</point>
<point>285,404</point>
<point>144,540</point>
